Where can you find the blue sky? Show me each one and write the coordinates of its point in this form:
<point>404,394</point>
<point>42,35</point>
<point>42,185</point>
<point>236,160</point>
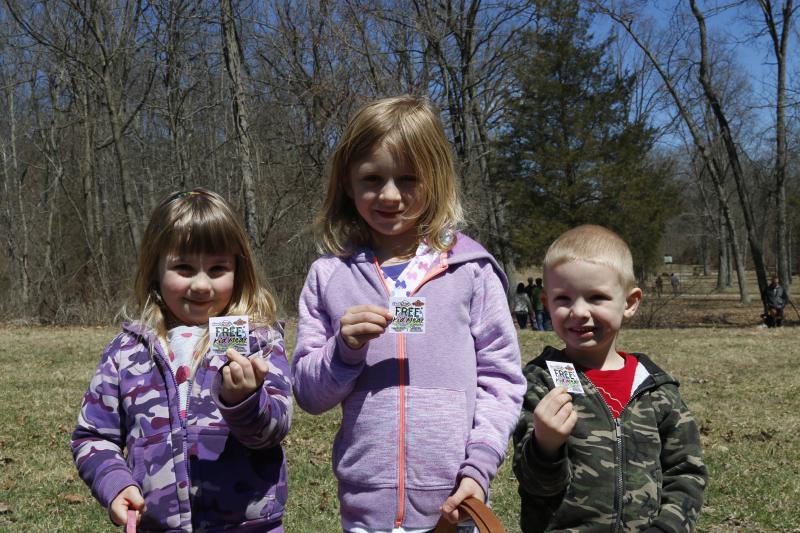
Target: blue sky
<point>731,27</point>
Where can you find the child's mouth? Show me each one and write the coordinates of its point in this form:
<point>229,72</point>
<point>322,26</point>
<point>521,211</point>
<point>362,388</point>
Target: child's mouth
<point>584,331</point>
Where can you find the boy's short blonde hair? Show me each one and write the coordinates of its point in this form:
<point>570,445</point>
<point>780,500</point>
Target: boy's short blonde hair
<point>593,244</point>
<point>409,126</point>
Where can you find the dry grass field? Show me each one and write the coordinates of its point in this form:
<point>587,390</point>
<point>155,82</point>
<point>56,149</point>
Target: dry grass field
<point>740,382</point>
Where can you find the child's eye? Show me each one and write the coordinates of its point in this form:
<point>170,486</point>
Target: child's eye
<point>408,178</point>
<point>219,270</point>
<point>182,268</point>
<point>600,297</point>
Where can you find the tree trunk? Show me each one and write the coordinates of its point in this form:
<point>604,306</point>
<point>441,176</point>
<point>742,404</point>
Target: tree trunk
<point>723,274</point>
<point>233,64</point>
<point>18,240</point>
<point>780,44</point>
<point>714,102</point>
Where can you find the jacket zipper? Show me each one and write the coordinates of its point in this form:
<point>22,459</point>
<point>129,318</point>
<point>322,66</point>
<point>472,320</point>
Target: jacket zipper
<point>401,356</point>
<point>184,432</point>
<point>401,422</point>
<point>619,493</point>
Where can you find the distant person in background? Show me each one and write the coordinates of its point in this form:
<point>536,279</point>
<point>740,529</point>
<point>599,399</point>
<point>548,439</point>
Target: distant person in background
<point>659,285</point>
<point>775,298</point>
<point>675,281</point>
<point>538,306</point>
<point>522,306</point>
<point>529,289</point>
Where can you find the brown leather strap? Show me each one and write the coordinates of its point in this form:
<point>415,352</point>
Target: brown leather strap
<point>485,520</point>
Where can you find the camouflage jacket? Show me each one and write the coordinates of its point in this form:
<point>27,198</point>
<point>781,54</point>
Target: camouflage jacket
<point>219,468</point>
<point>643,471</point>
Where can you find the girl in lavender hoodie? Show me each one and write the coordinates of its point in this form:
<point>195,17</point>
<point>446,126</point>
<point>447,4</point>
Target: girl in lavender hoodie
<point>202,430</point>
<point>405,324</point>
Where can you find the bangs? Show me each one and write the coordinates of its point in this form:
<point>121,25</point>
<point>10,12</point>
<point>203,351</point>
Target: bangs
<point>201,230</point>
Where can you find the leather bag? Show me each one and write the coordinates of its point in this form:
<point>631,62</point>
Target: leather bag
<point>485,520</point>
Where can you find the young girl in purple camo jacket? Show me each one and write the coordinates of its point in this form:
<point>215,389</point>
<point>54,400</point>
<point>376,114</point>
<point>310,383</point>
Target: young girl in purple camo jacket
<point>202,431</point>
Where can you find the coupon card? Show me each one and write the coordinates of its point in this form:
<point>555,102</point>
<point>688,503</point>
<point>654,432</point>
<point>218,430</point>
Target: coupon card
<point>565,375</point>
<point>409,314</point>
<point>229,332</point>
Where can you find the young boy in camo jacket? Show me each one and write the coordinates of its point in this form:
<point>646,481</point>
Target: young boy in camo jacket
<point>625,454</point>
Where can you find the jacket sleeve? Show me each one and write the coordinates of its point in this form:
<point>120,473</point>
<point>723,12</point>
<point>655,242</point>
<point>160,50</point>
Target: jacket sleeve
<point>324,368</point>
<point>99,436</point>
<point>684,474</point>
<point>537,475</point>
<point>500,381</point>
<point>262,419</point>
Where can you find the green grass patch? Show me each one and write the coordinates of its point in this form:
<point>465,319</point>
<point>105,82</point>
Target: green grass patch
<point>741,384</point>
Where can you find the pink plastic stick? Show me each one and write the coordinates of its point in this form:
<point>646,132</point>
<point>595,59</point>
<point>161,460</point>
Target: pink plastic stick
<point>130,527</point>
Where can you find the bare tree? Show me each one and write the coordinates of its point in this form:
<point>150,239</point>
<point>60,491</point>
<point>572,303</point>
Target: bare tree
<point>470,45</point>
<point>778,29</point>
<point>234,63</point>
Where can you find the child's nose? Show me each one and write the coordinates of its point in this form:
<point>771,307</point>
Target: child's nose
<point>390,192</point>
<point>200,283</point>
<point>579,309</point>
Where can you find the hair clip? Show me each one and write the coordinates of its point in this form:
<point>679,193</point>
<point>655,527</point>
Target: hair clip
<point>185,194</point>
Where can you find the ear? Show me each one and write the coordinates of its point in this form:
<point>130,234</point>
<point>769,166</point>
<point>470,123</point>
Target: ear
<point>543,298</point>
<point>632,302</point>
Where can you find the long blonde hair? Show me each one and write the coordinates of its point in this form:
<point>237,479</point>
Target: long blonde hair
<point>593,244</point>
<point>199,221</point>
<point>410,127</point>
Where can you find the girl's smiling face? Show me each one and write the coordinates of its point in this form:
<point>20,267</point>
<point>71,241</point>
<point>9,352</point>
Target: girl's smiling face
<point>386,192</point>
<point>587,305</point>
<point>195,287</point>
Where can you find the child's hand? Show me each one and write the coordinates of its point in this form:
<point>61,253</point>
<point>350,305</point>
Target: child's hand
<point>129,498</point>
<point>241,377</point>
<point>468,487</point>
<point>553,420</point>
<point>363,323</point>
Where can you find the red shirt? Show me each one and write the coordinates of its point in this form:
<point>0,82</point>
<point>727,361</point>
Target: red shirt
<point>615,385</point>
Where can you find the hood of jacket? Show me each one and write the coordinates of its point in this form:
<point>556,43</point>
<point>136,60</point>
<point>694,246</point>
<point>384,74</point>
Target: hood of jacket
<point>464,250</point>
<point>656,378</point>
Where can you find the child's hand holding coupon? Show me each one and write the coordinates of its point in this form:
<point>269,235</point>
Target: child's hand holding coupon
<point>242,375</point>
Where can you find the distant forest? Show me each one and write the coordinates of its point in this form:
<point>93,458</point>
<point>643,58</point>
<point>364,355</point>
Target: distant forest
<point>647,117</point>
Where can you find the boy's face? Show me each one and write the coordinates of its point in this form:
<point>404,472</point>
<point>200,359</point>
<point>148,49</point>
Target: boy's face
<point>587,305</point>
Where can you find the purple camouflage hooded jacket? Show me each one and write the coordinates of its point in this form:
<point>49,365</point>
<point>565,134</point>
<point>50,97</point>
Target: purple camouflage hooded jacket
<point>221,467</point>
<point>422,410</point>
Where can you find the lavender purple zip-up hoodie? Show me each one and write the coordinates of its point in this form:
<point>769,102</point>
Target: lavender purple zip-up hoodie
<point>219,468</point>
<point>420,411</point>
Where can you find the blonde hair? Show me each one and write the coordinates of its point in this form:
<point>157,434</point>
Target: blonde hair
<point>199,221</point>
<point>593,244</point>
<point>410,127</point>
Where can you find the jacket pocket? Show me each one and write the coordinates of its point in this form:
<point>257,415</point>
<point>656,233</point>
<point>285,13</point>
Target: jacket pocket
<point>436,436</point>
<point>153,469</point>
<point>365,448</point>
<point>232,484</point>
